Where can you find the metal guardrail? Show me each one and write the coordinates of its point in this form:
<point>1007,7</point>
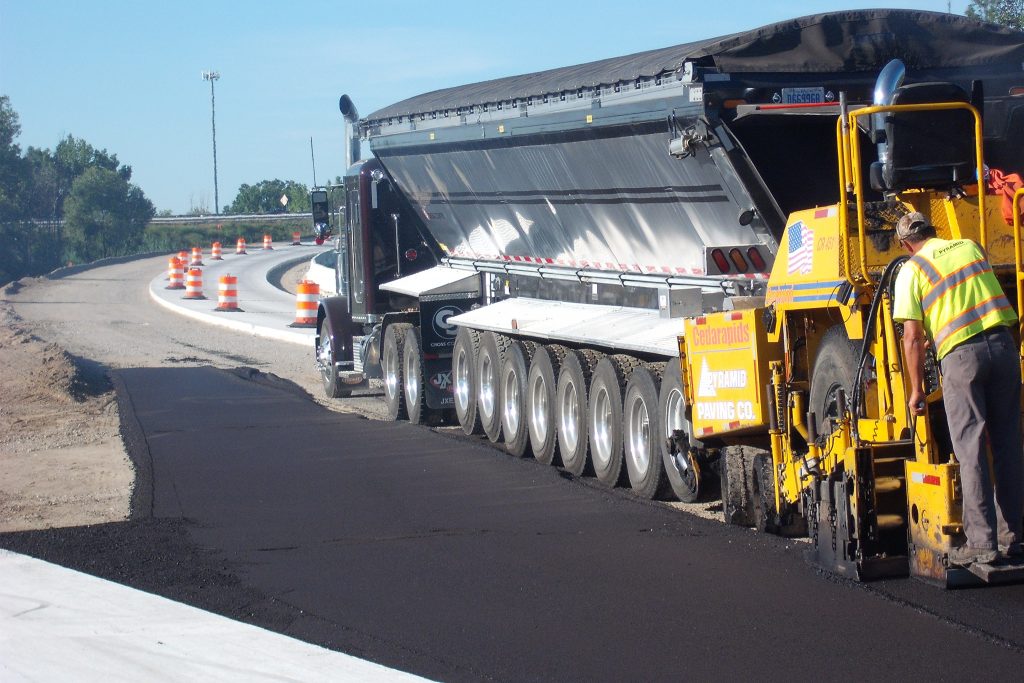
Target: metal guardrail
<point>233,218</point>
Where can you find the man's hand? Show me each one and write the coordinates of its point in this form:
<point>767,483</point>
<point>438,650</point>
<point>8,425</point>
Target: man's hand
<point>914,344</point>
<point>916,402</point>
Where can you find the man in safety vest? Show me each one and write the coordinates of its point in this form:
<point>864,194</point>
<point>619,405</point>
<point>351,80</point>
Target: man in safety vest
<point>947,292</point>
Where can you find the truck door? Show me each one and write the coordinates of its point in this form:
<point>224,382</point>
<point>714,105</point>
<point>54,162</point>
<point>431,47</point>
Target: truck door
<point>356,239</point>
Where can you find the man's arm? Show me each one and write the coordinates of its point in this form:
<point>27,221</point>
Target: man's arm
<point>914,345</point>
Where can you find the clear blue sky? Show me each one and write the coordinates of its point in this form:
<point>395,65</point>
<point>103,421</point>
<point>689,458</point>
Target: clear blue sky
<point>126,76</point>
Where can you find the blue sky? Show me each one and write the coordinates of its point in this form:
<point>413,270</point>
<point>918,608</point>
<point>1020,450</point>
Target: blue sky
<point>126,76</point>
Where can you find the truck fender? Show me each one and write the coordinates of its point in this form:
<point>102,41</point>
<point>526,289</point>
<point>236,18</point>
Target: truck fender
<point>334,318</point>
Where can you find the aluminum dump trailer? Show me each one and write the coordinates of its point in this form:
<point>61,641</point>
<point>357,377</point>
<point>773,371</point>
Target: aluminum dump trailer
<point>562,223</point>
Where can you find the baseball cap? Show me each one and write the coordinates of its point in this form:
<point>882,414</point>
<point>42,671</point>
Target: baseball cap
<point>910,224</point>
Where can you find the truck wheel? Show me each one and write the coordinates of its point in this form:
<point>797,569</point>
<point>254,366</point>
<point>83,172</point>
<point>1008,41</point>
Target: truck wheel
<point>835,368</point>
<point>684,475</point>
<point>412,373</point>
<point>641,432</point>
<point>607,390</point>
<point>391,362</point>
<point>464,356</point>
<point>571,408</point>
<point>488,380</point>
<point>540,402</point>
<point>513,396</point>
<point>327,362</point>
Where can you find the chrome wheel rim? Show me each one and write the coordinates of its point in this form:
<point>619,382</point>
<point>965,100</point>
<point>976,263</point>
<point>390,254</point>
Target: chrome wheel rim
<point>601,452</point>
<point>569,422</point>
<point>638,440</point>
<point>462,382</point>
<point>487,386</point>
<point>412,380</point>
<point>538,410</point>
<point>512,416</point>
<point>390,374</point>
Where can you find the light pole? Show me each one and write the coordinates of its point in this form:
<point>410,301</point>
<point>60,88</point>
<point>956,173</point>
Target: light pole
<point>213,76</point>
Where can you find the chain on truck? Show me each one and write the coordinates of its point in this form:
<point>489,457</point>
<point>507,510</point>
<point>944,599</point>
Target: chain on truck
<point>673,271</point>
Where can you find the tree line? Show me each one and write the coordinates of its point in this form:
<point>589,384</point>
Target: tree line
<point>73,203</point>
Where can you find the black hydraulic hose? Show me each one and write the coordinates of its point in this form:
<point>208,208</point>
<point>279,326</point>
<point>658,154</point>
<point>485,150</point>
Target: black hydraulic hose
<point>884,283</point>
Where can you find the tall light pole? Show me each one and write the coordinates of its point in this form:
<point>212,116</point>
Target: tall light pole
<point>213,76</point>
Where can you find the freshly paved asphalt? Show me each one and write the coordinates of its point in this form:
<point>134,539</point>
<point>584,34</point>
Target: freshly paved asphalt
<point>444,557</point>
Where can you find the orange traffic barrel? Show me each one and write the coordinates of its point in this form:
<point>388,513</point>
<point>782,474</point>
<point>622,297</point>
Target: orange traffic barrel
<point>197,257</point>
<point>227,293</point>
<point>215,252</point>
<point>176,273</point>
<point>296,239</point>
<point>267,242</point>
<point>240,246</point>
<point>194,284</point>
<point>307,298</point>
<point>183,255</point>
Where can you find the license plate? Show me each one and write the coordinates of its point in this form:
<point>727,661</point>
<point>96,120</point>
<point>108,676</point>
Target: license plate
<point>803,95</point>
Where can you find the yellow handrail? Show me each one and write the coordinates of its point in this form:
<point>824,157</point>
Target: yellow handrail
<point>850,158</point>
<point>1018,260</point>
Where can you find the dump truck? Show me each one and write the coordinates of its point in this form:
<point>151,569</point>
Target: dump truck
<point>673,270</point>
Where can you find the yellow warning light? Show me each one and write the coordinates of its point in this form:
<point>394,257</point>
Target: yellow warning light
<point>431,136</point>
<point>501,128</point>
<point>590,118</point>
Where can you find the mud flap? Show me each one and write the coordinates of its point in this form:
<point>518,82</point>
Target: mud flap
<point>835,537</point>
<point>437,379</point>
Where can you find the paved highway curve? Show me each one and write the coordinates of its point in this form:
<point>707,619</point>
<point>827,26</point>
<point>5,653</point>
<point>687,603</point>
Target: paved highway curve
<point>445,557</point>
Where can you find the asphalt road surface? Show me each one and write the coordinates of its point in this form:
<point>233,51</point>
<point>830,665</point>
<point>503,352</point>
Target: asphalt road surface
<point>445,558</point>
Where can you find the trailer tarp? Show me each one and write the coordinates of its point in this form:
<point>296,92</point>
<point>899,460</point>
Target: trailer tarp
<point>849,41</point>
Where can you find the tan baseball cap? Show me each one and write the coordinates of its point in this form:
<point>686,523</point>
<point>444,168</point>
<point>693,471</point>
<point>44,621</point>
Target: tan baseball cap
<point>911,224</point>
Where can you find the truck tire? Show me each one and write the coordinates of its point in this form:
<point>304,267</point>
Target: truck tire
<point>326,360</point>
<point>391,363</point>
<point>514,370</point>
<point>641,432</point>
<point>488,381</point>
<point>412,373</point>
<point>540,402</point>
<point>683,474</point>
<point>835,367</point>
<point>464,356</point>
<point>607,391</point>
<point>571,408</point>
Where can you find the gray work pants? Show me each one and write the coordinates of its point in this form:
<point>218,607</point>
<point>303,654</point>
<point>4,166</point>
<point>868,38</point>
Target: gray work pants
<point>981,390</point>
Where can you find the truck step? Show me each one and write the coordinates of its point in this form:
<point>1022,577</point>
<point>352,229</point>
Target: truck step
<point>888,484</point>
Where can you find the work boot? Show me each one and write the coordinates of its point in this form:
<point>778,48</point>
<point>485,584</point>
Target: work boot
<point>965,556</point>
<point>1014,552</point>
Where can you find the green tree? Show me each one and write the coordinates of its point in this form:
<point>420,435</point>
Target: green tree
<point>104,215</point>
<point>265,197</point>
<point>1005,12</point>
<point>13,171</point>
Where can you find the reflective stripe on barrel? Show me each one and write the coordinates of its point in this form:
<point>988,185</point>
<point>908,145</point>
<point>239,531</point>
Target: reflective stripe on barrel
<point>227,293</point>
<point>176,273</point>
<point>194,284</point>
<point>307,299</point>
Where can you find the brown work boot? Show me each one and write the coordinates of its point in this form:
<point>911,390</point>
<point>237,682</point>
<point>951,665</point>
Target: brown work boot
<point>965,556</point>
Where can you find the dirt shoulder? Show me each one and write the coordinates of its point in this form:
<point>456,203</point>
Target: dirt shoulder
<point>60,448</point>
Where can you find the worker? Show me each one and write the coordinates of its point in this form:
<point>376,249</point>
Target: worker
<point>947,295</point>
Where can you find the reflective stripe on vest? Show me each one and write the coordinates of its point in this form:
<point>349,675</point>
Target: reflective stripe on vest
<point>965,301</point>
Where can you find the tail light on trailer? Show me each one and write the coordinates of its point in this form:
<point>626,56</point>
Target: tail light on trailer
<point>736,256</point>
<point>718,256</point>
<point>757,260</point>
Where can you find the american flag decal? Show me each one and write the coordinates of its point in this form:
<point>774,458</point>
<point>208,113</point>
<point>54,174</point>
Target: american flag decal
<point>801,249</point>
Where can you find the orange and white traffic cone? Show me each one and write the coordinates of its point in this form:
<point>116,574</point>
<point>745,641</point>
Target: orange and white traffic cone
<point>197,257</point>
<point>194,284</point>
<point>307,299</point>
<point>227,294</point>
<point>215,252</point>
<point>240,246</point>
<point>176,274</point>
<point>267,243</point>
<point>296,239</point>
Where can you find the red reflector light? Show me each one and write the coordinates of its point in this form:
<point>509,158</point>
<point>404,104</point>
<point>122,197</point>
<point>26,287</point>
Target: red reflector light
<point>736,256</point>
<point>734,425</point>
<point>701,321</point>
<point>1017,91</point>
<point>735,315</point>
<point>755,258</point>
<point>411,254</point>
<point>932,479</point>
<point>719,258</point>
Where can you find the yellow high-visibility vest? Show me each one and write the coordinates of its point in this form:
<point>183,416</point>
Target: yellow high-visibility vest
<point>950,287</point>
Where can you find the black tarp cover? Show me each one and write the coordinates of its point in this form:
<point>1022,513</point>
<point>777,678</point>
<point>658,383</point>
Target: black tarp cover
<point>849,41</point>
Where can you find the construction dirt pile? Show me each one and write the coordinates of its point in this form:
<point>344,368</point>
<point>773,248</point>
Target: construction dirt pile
<point>61,455</point>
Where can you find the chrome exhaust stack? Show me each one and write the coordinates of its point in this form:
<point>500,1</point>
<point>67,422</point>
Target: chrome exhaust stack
<point>348,110</point>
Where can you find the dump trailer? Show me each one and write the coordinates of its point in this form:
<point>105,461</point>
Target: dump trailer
<point>672,270</point>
